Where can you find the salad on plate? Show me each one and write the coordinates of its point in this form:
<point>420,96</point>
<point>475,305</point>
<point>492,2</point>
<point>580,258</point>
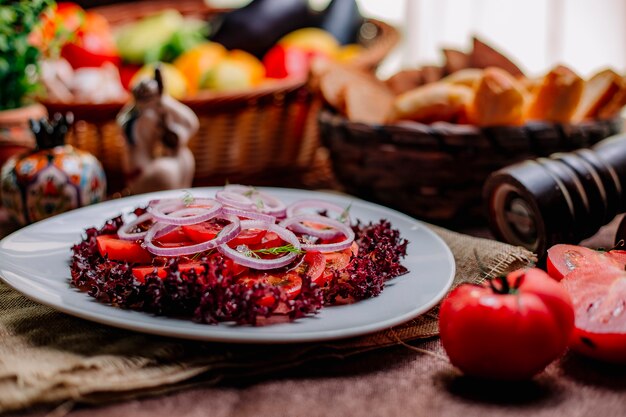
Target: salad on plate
<point>240,256</point>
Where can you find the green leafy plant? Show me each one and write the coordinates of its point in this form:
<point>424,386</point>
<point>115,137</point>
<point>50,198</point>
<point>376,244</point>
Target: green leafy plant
<point>18,58</point>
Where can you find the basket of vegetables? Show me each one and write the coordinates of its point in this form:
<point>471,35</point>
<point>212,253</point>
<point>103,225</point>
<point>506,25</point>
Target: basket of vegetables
<point>246,81</point>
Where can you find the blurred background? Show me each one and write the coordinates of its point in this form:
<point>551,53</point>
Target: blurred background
<point>413,108</point>
<point>537,34</point>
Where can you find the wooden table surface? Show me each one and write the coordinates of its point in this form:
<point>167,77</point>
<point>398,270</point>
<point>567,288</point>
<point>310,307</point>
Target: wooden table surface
<point>405,380</point>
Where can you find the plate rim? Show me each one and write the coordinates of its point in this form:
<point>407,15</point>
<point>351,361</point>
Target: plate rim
<point>19,284</point>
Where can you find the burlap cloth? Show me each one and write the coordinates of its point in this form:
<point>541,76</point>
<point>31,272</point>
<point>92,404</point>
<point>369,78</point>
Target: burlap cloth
<point>50,357</point>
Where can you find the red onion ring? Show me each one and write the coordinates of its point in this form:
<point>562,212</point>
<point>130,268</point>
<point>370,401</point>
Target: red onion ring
<point>296,223</point>
<point>124,234</point>
<point>164,230</point>
<point>254,215</point>
<point>233,199</point>
<point>263,264</point>
<point>323,247</point>
<point>296,208</point>
<point>271,205</point>
<point>225,235</point>
<point>171,211</point>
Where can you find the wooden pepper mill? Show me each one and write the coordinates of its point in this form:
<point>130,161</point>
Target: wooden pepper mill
<point>561,199</point>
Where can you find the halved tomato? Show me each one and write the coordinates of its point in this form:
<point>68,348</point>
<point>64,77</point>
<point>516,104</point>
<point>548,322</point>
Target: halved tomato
<point>140,272</point>
<point>563,259</point>
<point>122,250</point>
<point>599,297</point>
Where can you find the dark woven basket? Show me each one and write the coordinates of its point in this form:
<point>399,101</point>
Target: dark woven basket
<point>436,172</point>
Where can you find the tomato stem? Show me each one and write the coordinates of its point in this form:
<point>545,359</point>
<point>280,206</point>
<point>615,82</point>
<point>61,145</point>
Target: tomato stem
<point>500,284</point>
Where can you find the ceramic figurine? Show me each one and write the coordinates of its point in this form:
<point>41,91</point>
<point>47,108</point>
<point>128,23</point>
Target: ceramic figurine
<point>53,178</point>
<point>157,130</point>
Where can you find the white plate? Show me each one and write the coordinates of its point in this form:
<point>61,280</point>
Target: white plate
<point>35,261</point>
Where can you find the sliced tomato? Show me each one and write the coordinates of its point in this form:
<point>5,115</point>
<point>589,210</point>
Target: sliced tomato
<point>563,259</point>
<point>338,260</point>
<point>175,236</point>
<point>202,232</point>
<point>236,269</point>
<point>269,240</point>
<point>122,250</point>
<point>313,265</point>
<point>599,297</point>
<point>248,237</point>
<point>140,272</point>
<point>289,282</point>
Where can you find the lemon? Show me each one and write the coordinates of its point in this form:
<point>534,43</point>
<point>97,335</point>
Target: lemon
<point>348,52</point>
<point>312,39</point>
<point>228,74</point>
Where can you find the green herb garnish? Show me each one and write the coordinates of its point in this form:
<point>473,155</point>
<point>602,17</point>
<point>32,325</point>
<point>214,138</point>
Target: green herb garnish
<point>200,255</point>
<point>345,214</point>
<point>278,250</point>
<point>187,198</point>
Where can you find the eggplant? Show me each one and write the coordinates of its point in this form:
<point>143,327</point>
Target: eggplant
<point>257,27</point>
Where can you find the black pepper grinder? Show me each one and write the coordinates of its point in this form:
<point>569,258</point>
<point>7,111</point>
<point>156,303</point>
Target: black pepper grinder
<point>561,199</point>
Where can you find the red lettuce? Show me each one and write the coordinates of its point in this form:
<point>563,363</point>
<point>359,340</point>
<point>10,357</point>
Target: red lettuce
<point>215,295</point>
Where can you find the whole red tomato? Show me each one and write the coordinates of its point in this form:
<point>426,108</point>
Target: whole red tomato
<point>509,328</point>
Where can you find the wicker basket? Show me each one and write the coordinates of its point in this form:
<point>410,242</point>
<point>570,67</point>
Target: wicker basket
<point>436,172</point>
<point>268,132</point>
